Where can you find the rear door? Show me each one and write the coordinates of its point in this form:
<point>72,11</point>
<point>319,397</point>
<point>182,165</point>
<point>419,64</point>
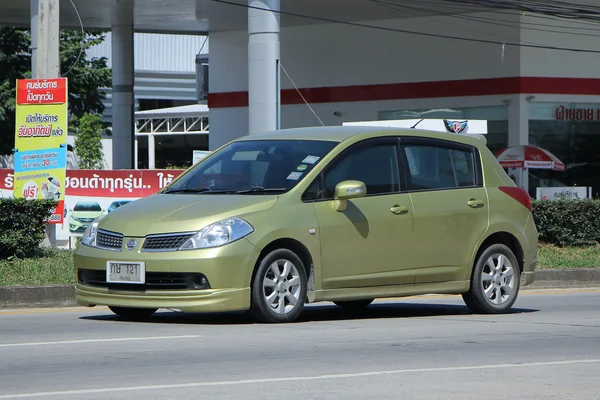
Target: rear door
<point>445,183</point>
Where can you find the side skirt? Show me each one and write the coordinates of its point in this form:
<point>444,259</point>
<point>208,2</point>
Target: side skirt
<point>454,287</point>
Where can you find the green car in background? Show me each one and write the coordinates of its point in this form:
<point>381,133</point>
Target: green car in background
<point>83,214</point>
<point>273,221</point>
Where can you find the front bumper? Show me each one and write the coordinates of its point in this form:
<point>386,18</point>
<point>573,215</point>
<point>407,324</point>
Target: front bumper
<point>228,270</point>
<point>209,300</point>
<point>77,226</point>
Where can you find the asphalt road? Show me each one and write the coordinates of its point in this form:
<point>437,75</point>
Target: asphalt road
<point>417,348</point>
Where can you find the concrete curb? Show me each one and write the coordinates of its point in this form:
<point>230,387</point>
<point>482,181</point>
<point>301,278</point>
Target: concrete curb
<point>37,296</point>
<point>566,278</point>
<point>64,295</point>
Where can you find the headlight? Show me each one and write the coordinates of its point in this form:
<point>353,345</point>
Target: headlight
<point>90,234</point>
<point>218,234</point>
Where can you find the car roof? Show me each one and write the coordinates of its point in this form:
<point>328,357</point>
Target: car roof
<point>342,133</point>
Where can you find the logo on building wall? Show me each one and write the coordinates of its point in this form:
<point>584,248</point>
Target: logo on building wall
<point>455,126</point>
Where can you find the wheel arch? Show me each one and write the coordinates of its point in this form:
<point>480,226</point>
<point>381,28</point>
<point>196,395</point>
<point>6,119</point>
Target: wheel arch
<point>505,238</point>
<point>295,246</point>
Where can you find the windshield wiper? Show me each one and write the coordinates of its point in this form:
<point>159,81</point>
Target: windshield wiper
<point>198,190</point>
<point>260,189</point>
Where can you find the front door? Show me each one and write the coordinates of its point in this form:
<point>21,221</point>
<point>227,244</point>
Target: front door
<point>371,243</point>
<point>450,205</point>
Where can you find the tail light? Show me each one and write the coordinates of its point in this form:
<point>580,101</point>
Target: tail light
<point>519,194</point>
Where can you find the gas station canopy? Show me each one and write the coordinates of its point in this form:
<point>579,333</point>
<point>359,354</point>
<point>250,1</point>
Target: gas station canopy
<point>202,16</point>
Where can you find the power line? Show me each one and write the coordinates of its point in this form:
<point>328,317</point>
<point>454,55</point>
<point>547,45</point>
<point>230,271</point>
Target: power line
<point>398,6</point>
<point>556,9</point>
<point>480,7</point>
<point>300,93</point>
<point>82,40</point>
<point>387,29</point>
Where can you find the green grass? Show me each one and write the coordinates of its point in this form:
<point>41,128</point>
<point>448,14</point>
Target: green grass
<point>51,267</point>
<point>568,257</point>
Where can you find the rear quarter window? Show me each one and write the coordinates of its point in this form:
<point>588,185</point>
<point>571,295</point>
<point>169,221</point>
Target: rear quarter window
<point>434,166</point>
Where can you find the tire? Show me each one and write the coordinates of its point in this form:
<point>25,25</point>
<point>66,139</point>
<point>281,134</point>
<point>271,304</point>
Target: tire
<point>353,304</point>
<point>495,282</point>
<point>274,298</point>
<point>133,313</point>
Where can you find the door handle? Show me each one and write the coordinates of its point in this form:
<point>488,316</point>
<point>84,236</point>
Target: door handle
<point>475,203</point>
<point>399,209</point>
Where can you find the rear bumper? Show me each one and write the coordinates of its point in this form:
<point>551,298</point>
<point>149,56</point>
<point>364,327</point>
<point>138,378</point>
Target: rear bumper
<point>527,278</point>
<point>530,250</point>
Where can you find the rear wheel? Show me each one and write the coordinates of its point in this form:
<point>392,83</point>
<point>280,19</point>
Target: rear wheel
<point>495,282</point>
<point>353,304</point>
<point>279,287</point>
<point>133,313</point>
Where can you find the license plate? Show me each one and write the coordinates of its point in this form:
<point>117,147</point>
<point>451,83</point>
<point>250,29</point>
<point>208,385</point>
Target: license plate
<point>125,272</point>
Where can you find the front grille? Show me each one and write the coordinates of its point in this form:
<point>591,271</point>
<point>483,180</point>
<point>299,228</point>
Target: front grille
<point>85,219</point>
<point>109,240</point>
<point>166,242</point>
<point>154,281</point>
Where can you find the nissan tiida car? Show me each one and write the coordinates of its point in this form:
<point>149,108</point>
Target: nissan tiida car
<point>273,221</point>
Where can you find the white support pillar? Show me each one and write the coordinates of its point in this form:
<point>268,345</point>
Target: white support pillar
<point>33,29</point>
<point>135,154</point>
<point>518,131</point>
<point>151,152</point>
<point>263,66</point>
<point>123,130</point>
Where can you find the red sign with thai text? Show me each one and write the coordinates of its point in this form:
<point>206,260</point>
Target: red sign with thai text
<point>41,91</point>
<point>107,183</point>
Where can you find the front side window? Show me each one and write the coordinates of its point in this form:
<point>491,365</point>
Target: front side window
<point>260,166</point>
<point>376,166</point>
<point>438,167</point>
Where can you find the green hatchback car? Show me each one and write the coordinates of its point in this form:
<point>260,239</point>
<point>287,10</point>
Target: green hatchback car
<point>273,221</point>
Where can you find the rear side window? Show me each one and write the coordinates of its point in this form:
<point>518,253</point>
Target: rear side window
<point>434,167</point>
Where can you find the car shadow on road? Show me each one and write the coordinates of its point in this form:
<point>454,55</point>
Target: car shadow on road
<point>316,313</point>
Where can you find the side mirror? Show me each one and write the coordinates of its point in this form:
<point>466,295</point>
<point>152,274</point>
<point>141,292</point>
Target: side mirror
<point>347,190</point>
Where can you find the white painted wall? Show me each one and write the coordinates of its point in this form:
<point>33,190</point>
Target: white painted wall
<point>340,55</point>
<point>554,63</point>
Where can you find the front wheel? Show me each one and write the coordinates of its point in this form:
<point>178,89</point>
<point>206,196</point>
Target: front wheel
<point>495,282</point>
<point>279,287</point>
<point>133,313</point>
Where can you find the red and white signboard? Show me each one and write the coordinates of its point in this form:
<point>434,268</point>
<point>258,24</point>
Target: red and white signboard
<point>90,194</point>
<point>41,91</point>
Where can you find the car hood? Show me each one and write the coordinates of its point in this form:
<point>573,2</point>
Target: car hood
<point>172,213</point>
<point>85,214</point>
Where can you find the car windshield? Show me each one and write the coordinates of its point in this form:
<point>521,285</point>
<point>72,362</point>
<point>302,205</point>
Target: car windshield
<point>87,207</point>
<point>254,167</point>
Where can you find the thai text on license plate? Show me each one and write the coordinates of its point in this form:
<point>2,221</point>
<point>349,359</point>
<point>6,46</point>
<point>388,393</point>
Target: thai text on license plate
<point>121,272</point>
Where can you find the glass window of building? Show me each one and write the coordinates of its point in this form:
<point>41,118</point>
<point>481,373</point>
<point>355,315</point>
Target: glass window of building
<point>571,131</point>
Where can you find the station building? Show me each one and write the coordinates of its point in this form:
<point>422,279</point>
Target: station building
<point>531,73</point>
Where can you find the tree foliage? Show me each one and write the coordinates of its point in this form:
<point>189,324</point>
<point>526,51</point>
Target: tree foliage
<point>87,77</point>
<point>88,142</point>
